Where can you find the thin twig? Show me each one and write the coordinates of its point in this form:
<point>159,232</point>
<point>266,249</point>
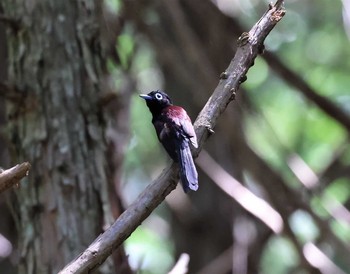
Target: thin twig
<point>154,194</point>
<point>12,176</point>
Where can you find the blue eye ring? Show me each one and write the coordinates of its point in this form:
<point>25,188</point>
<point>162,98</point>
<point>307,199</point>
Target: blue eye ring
<point>158,96</point>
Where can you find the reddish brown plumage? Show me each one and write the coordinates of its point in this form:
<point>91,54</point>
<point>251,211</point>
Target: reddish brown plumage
<point>175,131</point>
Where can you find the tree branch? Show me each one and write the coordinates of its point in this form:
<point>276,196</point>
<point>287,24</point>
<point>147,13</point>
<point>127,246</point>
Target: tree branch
<point>12,176</point>
<point>293,79</point>
<point>258,207</point>
<point>249,45</point>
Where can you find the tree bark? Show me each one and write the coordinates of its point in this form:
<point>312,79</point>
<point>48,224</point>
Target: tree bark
<point>57,63</point>
<point>6,220</point>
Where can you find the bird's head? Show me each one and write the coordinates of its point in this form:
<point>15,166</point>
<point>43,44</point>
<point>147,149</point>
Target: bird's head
<point>156,101</point>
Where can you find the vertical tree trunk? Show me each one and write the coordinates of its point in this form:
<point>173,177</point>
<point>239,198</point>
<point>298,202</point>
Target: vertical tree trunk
<point>6,220</point>
<point>57,62</point>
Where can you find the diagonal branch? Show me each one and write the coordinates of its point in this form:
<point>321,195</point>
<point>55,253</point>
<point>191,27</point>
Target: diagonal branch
<point>258,207</point>
<point>249,45</point>
<point>12,176</point>
<point>293,79</point>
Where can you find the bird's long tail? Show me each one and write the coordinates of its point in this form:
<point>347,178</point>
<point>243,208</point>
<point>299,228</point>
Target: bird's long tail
<point>188,172</point>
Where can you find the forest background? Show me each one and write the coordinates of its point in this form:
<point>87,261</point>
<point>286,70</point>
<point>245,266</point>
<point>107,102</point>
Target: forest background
<point>70,76</point>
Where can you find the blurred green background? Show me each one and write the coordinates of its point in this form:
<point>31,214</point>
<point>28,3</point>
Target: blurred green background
<point>284,138</point>
<point>312,41</point>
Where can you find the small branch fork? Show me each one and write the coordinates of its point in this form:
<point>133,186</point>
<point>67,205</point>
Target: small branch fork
<point>249,46</point>
<point>12,176</point>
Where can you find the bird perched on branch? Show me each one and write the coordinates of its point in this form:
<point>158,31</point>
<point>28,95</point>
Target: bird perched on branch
<point>175,131</point>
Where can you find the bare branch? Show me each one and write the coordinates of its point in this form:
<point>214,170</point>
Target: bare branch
<point>295,80</point>
<point>248,48</point>
<point>319,259</point>
<point>12,176</point>
<point>243,196</point>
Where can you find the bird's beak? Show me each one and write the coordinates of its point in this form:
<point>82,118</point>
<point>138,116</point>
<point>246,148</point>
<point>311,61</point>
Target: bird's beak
<point>145,96</point>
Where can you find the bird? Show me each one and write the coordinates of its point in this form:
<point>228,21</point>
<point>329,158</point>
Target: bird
<point>175,132</point>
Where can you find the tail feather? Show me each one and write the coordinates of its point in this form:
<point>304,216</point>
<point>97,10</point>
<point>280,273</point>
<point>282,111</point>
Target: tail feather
<point>188,172</point>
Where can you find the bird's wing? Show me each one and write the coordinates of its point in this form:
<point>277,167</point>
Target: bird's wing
<point>187,127</point>
<point>183,122</point>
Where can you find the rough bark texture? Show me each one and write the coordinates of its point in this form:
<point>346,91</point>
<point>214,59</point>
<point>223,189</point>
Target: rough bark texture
<point>6,220</point>
<point>57,62</point>
<point>12,176</point>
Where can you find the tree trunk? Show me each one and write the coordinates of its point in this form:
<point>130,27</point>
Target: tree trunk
<point>57,65</point>
<point>6,221</point>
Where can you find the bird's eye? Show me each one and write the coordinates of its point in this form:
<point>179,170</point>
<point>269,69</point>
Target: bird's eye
<point>159,96</point>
